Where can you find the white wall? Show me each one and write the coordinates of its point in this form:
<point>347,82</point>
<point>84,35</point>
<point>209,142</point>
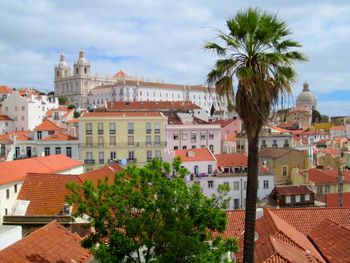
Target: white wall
<point>7,203</point>
<point>9,235</point>
<point>75,170</point>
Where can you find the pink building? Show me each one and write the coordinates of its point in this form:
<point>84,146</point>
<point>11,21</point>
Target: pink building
<point>187,132</point>
<point>228,127</point>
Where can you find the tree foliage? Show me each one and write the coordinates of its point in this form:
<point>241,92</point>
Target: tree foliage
<point>258,52</point>
<point>62,100</point>
<point>149,214</point>
<point>71,106</point>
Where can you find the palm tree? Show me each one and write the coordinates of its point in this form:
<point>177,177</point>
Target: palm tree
<point>257,52</point>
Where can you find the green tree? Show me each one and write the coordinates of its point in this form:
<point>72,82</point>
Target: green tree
<point>62,100</point>
<point>258,53</point>
<point>71,106</point>
<point>316,116</point>
<point>151,214</point>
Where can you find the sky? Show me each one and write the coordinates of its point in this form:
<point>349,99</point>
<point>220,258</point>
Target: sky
<point>163,40</point>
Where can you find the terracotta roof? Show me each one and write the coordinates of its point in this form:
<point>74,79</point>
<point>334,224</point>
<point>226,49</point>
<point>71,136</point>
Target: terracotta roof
<point>5,118</point>
<point>47,192</point>
<point>279,129</point>
<point>155,85</point>
<point>231,160</point>
<point>332,241</point>
<point>26,91</point>
<point>293,190</point>
<point>14,171</point>
<point>274,152</point>
<point>307,219</point>
<point>151,106</point>
<point>195,155</point>
<point>51,243</point>
<point>60,108</point>
<point>224,123</point>
<point>235,223</point>
<point>48,125</point>
<point>331,199</point>
<point>108,171</point>
<point>338,128</point>
<point>330,151</point>
<point>20,135</point>
<point>120,114</point>
<point>60,136</point>
<point>73,121</point>
<point>319,176</point>
<point>5,89</point>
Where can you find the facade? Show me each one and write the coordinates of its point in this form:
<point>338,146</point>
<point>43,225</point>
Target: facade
<point>338,131</point>
<point>293,195</point>
<point>230,144</point>
<point>85,90</point>
<point>6,124</point>
<point>27,111</point>
<point>299,117</point>
<point>60,115</point>
<point>135,137</point>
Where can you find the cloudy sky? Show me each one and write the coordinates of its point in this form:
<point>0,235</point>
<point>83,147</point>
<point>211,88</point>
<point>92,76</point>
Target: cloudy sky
<point>163,40</point>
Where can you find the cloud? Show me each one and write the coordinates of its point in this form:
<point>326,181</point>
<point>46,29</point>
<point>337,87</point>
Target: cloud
<point>160,39</point>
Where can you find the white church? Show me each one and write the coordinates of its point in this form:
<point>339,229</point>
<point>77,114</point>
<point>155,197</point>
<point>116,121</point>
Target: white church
<point>85,90</point>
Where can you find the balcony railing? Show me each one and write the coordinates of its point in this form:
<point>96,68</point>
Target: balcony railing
<point>88,132</point>
<point>130,131</point>
<point>156,130</point>
<point>123,145</point>
<point>100,132</point>
<point>274,145</point>
<point>132,160</point>
<point>148,131</point>
<point>101,161</point>
<point>89,161</point>
<point>111,131</point>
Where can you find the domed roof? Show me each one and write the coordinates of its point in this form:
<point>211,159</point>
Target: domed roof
<point>63,64</point>
<point>82,60</point>
<point>306,99</point>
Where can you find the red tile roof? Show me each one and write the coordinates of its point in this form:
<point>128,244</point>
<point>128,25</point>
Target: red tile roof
<point>319,176</point>
<point>195,155</point>
<point>47,192</point>
<point>307,219</point>
<point>20,135</point>
<point>223,123</point>
<point>331,199</point>
<point>5,89</point>
<point>14,171</point>
<point>120,114</point>
<point>48,125</point>
<point>332,241</point>
<point>60,136</point>
<point>5,118</point>
<point>338,128</point>
<point>231,160</point>
<point>293,190</point>
<point>51,243</point>
<point>151,106</point>
<point>73,121</point>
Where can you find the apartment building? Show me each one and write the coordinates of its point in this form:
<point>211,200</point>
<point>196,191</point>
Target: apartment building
<point>131,137</point>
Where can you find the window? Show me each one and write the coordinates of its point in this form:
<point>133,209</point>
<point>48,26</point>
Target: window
<point>263,143</point>
<point>193,147</point>
<point>58,150</point>
<point>245,185</point>
<point>22,118</point>
<point>130,140</point>
<point>51,132</point>
<point>319,189</point>
<point>202,135</point>
<point>69,151</point>
<point>55,115</point>
<point>47,151</point>
<point>7,193</point>
<point>89,141</point>
<point>157,140</point>
<point>288,199</point>
<point>111,128</point>
<point>113,155</point>
<point>157,127</point>
<point>89,156</point>
<point>149,156</point>
<point>88,128</point>
<point>148,128</point>
<point>211,135</point>
<point>236,204</point>
<point>193,137</point>
<point>15,188</point>
<point>327,188</point>
<point>101,157</point>
<point>210,184</point>
<point>148,140</point>
<point>297,198</point>
<point>284,171</point>
<point>266,184</point>
<point>131,155</point>
<point>210,168</point>
<point>176,147</point>
<point>211,148</point>
<point>274,143</point>
<point>184,136</point>
<point>236,186</point>
<point>100,128</point>
<point>307,197</point>
<point>100,141</point>
<point>184,147</point>
<point>130,128</point>
<point>157,154</point>
<point>112,141</point>
<point>175,136</point>
<point>196,169</point>
<point>39,135</point>
<point>202,146</point>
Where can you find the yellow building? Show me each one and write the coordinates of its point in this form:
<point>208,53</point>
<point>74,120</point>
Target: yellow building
<point>282,161</point>
<point>135,137</point>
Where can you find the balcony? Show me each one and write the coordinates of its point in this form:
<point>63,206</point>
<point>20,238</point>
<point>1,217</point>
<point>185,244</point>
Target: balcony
<point>100,131</point>
<point>149,159</point>
<point>156,130</point>
<point>88,132</point>
<point>132,160</point>
<point>101,161</point>
<point>274,145</point>
<point>124,145</point>
<point>130,131</point>
<point>148,131</point>
<point>89,161</point>
<point>111,131</point>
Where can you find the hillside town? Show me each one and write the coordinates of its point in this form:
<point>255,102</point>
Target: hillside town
<point>92,127</point>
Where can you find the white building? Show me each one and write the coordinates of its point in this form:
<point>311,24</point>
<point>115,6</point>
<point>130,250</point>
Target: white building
<point>306,100</point>
<point>27,111</point>
<point>6,124</point>
<point>12,174</point>
<point>85,90</point>
<point>9,235</point>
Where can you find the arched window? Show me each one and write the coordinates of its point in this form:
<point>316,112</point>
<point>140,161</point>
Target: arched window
<point>76,70</point>
<point>85,70</point>
<point>58,73</point>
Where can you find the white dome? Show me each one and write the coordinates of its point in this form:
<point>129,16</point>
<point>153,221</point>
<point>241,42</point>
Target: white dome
<point>82,60</point>
<point>306,99</point>
<point>63,64</point>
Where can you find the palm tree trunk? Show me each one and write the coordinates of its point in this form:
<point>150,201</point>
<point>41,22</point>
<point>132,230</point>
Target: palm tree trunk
<point>251,198</point>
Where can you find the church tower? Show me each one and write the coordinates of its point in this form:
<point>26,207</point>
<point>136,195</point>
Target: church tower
<point>62,70</point>
<point>82,66</point>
